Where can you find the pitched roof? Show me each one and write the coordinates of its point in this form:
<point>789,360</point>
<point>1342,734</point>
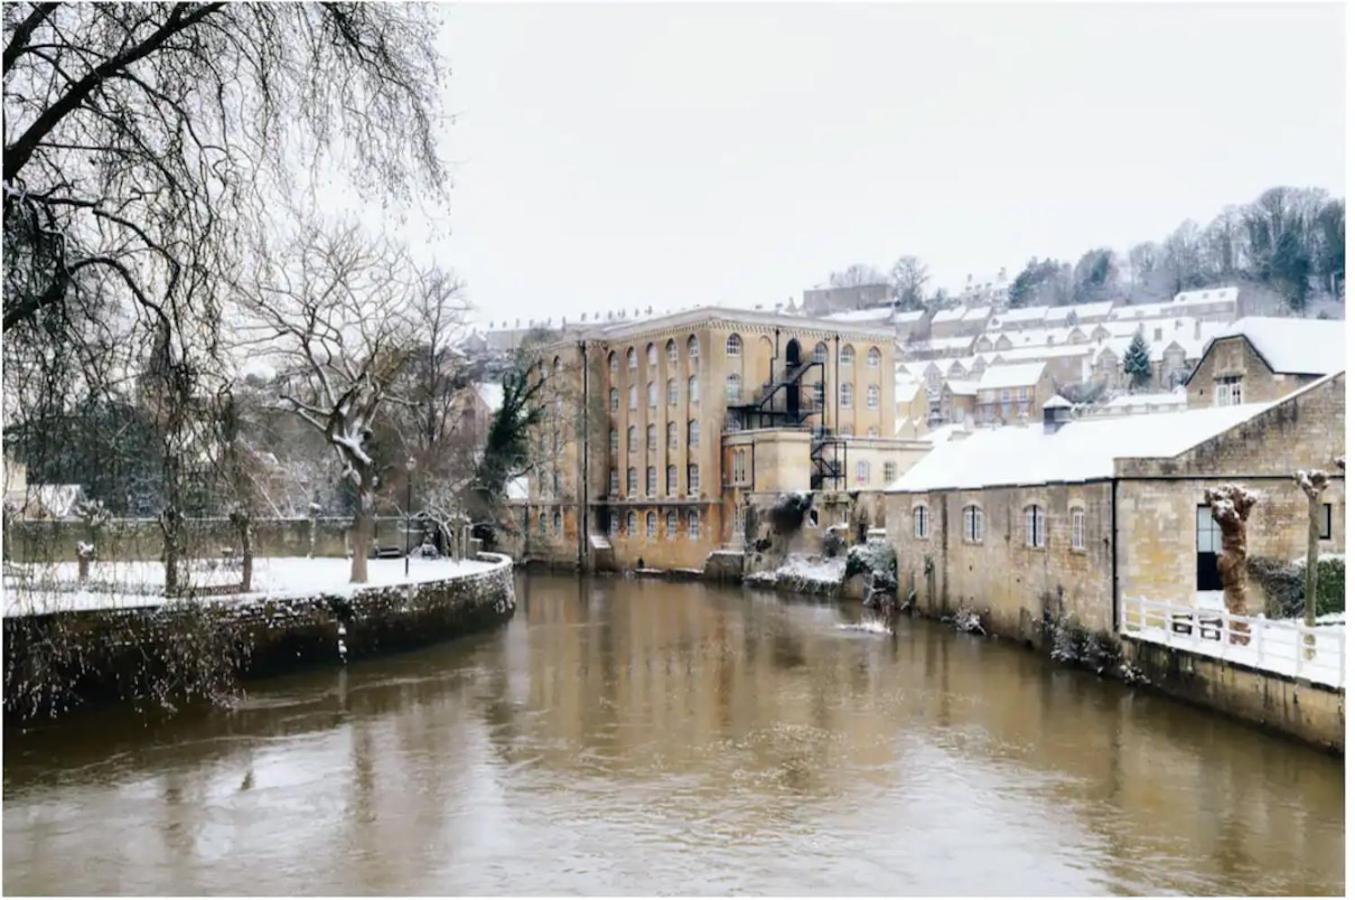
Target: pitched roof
<point>1293,346</point>
<point>1081,450</point>
<point>954,314</point>
<point>1007,376</point>
<point>961,387</point>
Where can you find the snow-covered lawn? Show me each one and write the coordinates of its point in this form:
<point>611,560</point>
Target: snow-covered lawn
<point>34,588</point>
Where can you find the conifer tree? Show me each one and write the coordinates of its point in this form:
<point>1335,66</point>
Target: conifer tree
<point>1137,365</point>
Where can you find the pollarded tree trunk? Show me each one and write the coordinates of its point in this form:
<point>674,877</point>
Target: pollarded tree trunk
<point>363,525</point>
<point>1230,505</point>
<point>1313,484</point>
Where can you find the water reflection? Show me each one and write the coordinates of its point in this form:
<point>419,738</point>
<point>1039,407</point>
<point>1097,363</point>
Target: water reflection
<point>623,736</point>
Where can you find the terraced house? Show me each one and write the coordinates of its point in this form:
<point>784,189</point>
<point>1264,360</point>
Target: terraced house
<point>660,432</point>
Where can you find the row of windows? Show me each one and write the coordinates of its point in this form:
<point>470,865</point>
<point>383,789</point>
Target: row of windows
<point>556,523</point>
<point>652,394</point>
<point>1032,517</point>
<point>733,347</point>
<point>652,437</point>
<point>652,481</point>
<point>671,524</point>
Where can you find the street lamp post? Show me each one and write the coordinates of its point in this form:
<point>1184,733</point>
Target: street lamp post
<point>409,506</point>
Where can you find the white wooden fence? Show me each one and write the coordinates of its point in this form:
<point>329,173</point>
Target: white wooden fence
<point>1284,647</point>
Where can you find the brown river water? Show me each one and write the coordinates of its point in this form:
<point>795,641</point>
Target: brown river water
<point>644,737</point>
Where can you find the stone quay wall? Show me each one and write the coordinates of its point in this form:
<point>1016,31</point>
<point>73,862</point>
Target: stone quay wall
<point>168,653</point>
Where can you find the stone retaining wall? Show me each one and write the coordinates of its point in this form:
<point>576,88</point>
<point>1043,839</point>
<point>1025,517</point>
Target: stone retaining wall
<point>194,649</point>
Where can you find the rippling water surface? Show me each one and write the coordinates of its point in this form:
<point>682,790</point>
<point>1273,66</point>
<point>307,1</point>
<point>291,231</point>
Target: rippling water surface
<point>637,736</point>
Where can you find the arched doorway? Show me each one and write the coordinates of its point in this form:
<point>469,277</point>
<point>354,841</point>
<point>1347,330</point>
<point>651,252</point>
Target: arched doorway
<point>792,353</point>
<point>792,390</point>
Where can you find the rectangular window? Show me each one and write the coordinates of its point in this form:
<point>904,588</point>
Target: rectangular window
<point>614,483</point>
<point>1228,390</point>
<point>632,482</point>
<point>693,525</point>
<point>891,472</point>
<point>920,522</point>
<point>693,479</point>
<point>1035,529</point>
<point>973,524</point>
<point>1079,519</point>
<point>862,472</point>
<point>651,481</point>
<point>1324,522</point>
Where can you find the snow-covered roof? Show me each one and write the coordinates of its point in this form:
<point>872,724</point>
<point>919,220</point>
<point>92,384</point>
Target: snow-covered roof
<point>1022,314</point>
<point>1057,402</point>
<point>1143,311</point>
<point>1208,296</point>
<point>1081,450</point>
<point>879,314</point>
<point>1293,346</point>
<point>905,389</point>
<point>961,387</point>
<point>912,315</point>
<point>1165,398</point>
<point>1008,376</point>
<point>1055,352</point>
<point>954,314</point>
<point>1059,314</point>
<point>978,313</point>
<point>944,433</point>
<point>1092,311</point>
<point>490,393</point>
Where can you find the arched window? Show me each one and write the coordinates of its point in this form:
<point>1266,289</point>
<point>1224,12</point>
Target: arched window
<point>672,352</point>
<point>844,395</point>
<point>541,523</point>
<point>614,399</point>
<point>972,525</point>
<point>614,440</point>
<point>613,524</point>
<point>631,395</point>
<point>670,476</point>
<point>651,437</point>
<point>557,523</point>
<point>693,525</point>
<point>653,395</point>
<point>733,386</point>
<point>613,483</point>
<point>820,352</point>
<point>693,479</point>
<point>651,524</point>
<point>652,355</point>
<point>862,471</point>
<point>693,349</point>
<point>693,433</point>
<point>1035,526</point>
<point>611,362</point>
<point>872,396</point>
<point>631,528</point>
<point>733,345</point>
<point>671,524</point>
<point>632,362</point>
<point>672,392</point>
<point>631,443</point>
<point>693,391</point>
<point>651,481</point>
<point>921,523</point>
<point>672,435</point>
<point>847,355</point>
<point>1078,527</point>
<point>873,358</point>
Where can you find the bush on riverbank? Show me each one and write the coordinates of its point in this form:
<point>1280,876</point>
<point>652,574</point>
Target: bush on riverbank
<point>1282,583</point>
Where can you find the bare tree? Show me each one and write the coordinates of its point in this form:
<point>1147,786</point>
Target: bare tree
<point>336,308</point>
<point>856,275</point>
<point>909,279</point>
<point>1230,505</point>
<point>1313,483</point>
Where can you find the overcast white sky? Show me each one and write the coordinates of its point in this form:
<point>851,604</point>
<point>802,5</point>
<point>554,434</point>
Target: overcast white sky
<point>610,156</point>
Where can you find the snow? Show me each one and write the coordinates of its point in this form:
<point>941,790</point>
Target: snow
<point>1021,314</point>
<point>1057,402</point>
<point>879,314</point>
<point>954,314</point>
<point>1081,450</point>
<point>978,314</point>
<point>1175,399</point>
<point>37,588</point>
<point>1009,376</point>
<point>491,394</point>
<point>962,388</point>
<point>905,389</point>
<point>1294,346</point>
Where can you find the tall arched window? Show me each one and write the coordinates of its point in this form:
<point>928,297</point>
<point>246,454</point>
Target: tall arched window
<point>873,358</point>
<point>693,479</point>
<point>820,352</point>
<point>651,480</point>
<point>921,523</point>
<point>652,355</point>
<point>631,443</point>
<point>672,352</point>
<point>613,483</point>
<point>651,437</point>
<point>672,435</point>
<point>557,522</point>
<point>693,525</point>
<point>632,482</point>
<point>614,399</point>
<point>631,528</point>
<point>733,345</point>
<point>862,471</point>
<point>611,363</point>
<point>872,396</point>
<point>613,524</point>
<point>693,349</point>
<point>672,392</point>
<point>653,395</point>
<point>847,355</point>
<point>693,432</point>
<point>631,395</point>
<point>733,386</point>
<point>1077,520</point>
<point>670,479</point>
<point>1035,525</point>
<point>671,524</point>
<point>541,523</point>
<point>632,362</point>
<point>651,524</point>
<point>972,521</point>
<point>614,440</point>
<point>693,390</point>
<point>844,395</point>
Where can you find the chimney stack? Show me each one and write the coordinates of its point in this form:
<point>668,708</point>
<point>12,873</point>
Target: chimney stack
<point>1057,413</point>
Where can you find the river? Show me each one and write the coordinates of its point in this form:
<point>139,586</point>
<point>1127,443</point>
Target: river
<point>627,736</point>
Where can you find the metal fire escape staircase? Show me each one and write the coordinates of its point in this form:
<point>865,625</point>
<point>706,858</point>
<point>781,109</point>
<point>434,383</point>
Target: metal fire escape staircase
<point>786,401</point>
